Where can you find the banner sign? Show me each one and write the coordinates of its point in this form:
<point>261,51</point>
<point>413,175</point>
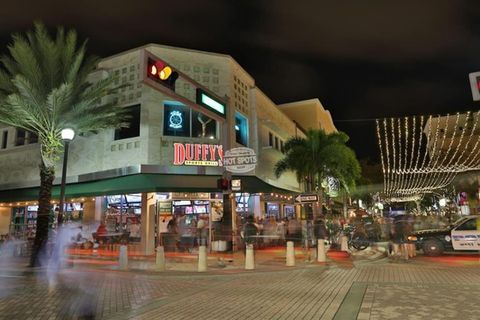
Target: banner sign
<point>196,154</point>
<point>240,160</point>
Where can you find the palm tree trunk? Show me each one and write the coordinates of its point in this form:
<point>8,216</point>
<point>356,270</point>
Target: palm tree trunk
<point>320,201</point>
<point>47,175</point>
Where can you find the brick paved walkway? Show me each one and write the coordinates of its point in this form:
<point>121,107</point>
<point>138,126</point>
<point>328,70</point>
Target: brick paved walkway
<point>384,290</point>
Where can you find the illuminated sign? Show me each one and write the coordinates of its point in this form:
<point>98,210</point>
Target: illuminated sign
<point>175,119</point>
<point>240,160</point>
<point>162,73</point>
<point>236,185</point>
<point>195,154</point>
<point>210,103</point>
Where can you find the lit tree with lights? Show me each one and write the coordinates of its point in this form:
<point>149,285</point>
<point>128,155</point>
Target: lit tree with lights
<point>318,157</point>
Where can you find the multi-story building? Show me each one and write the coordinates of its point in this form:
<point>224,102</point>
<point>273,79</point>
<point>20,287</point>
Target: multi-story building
<point>167,162</point>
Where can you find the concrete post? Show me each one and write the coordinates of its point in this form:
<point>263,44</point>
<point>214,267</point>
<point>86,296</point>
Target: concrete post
<point>290,254</point>
<point>321,256</point>
<point>202,258</point>
<point>405,251</point>
<point>160,259</point>
<point>344,243</point>
<point>396,249</point>
<point>412,250</point>
<point>123,258</point>
<point>249,258</point>
<point>313,254</point>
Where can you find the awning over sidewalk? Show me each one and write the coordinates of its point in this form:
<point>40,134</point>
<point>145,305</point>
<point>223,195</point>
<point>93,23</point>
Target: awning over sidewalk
<point>136,183</point>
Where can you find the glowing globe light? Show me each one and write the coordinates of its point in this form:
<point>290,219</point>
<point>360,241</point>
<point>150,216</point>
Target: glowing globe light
<point>68,134</point>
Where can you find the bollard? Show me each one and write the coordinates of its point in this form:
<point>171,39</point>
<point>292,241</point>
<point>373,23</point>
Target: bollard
<point>396,249</point>
<point>405,251</point>
<point>412,252</point>
<point>123,258</point>
<point>249,258</point>
<point>344,243</point>
<point>290,254</point>
<point>321,256</point>
<point>160,259</point>
<point>202,259</point>
<point>313,254</point>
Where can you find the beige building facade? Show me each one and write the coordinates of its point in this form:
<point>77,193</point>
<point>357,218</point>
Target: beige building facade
<point>141,160</point>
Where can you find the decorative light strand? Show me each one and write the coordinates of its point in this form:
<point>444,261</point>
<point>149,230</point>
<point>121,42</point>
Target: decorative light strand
<point>408,173</point>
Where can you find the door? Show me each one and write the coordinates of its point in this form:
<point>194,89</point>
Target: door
<point>466,235</point>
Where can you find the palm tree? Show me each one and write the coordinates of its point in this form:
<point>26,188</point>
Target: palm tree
<point>44,88</point>
<point>318,156</point>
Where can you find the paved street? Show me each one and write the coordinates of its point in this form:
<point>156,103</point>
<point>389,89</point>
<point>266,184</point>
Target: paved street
<point>365,289</point>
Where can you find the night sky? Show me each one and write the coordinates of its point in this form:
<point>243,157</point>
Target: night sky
<point>362,59</point>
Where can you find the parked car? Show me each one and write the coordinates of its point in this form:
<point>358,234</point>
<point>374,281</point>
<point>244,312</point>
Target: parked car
<point>461,236</point>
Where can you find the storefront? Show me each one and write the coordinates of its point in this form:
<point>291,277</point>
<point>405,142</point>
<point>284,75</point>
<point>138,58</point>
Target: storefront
<point>138,208</point>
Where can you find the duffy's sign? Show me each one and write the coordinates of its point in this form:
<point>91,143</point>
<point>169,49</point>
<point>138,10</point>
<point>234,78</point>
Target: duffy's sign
<point>195,154</point>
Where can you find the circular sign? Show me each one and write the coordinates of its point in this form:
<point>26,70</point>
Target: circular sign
<point>240,160</point>
<point>175,120</point>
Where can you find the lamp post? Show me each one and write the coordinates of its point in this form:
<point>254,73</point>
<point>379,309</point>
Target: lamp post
<point>67,135</point>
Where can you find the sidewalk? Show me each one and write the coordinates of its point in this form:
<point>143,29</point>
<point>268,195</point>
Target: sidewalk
<point>340,289</point>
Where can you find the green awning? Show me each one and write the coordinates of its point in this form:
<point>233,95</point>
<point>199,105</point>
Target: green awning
<point>137,183</point>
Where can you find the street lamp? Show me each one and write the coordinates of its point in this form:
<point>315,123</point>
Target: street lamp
<point>67,135</point>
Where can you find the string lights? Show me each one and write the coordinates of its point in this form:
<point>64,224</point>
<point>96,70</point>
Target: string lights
<point>419,155</point>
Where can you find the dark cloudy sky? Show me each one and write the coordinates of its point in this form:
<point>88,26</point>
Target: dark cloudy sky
<point>362,59</point>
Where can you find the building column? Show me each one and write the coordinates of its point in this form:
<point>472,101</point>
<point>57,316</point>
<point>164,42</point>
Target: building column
<point>89,212</point>
<point>99,208</point>
<point>257,207</point>
<point>147,229</point>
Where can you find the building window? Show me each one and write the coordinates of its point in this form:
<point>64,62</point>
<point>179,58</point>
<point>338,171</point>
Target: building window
<point>270,139</point>
<point>181,121</point>
<point>32,138</point>
<point>20,137</point>
<point>241,129</point>
<point>203,126</point>
<point>133,129</point>
<point>276,143</point>
<point>176,120</point>
<point>4,139</point>
<point>215,71</point>
<point>282,147</point>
